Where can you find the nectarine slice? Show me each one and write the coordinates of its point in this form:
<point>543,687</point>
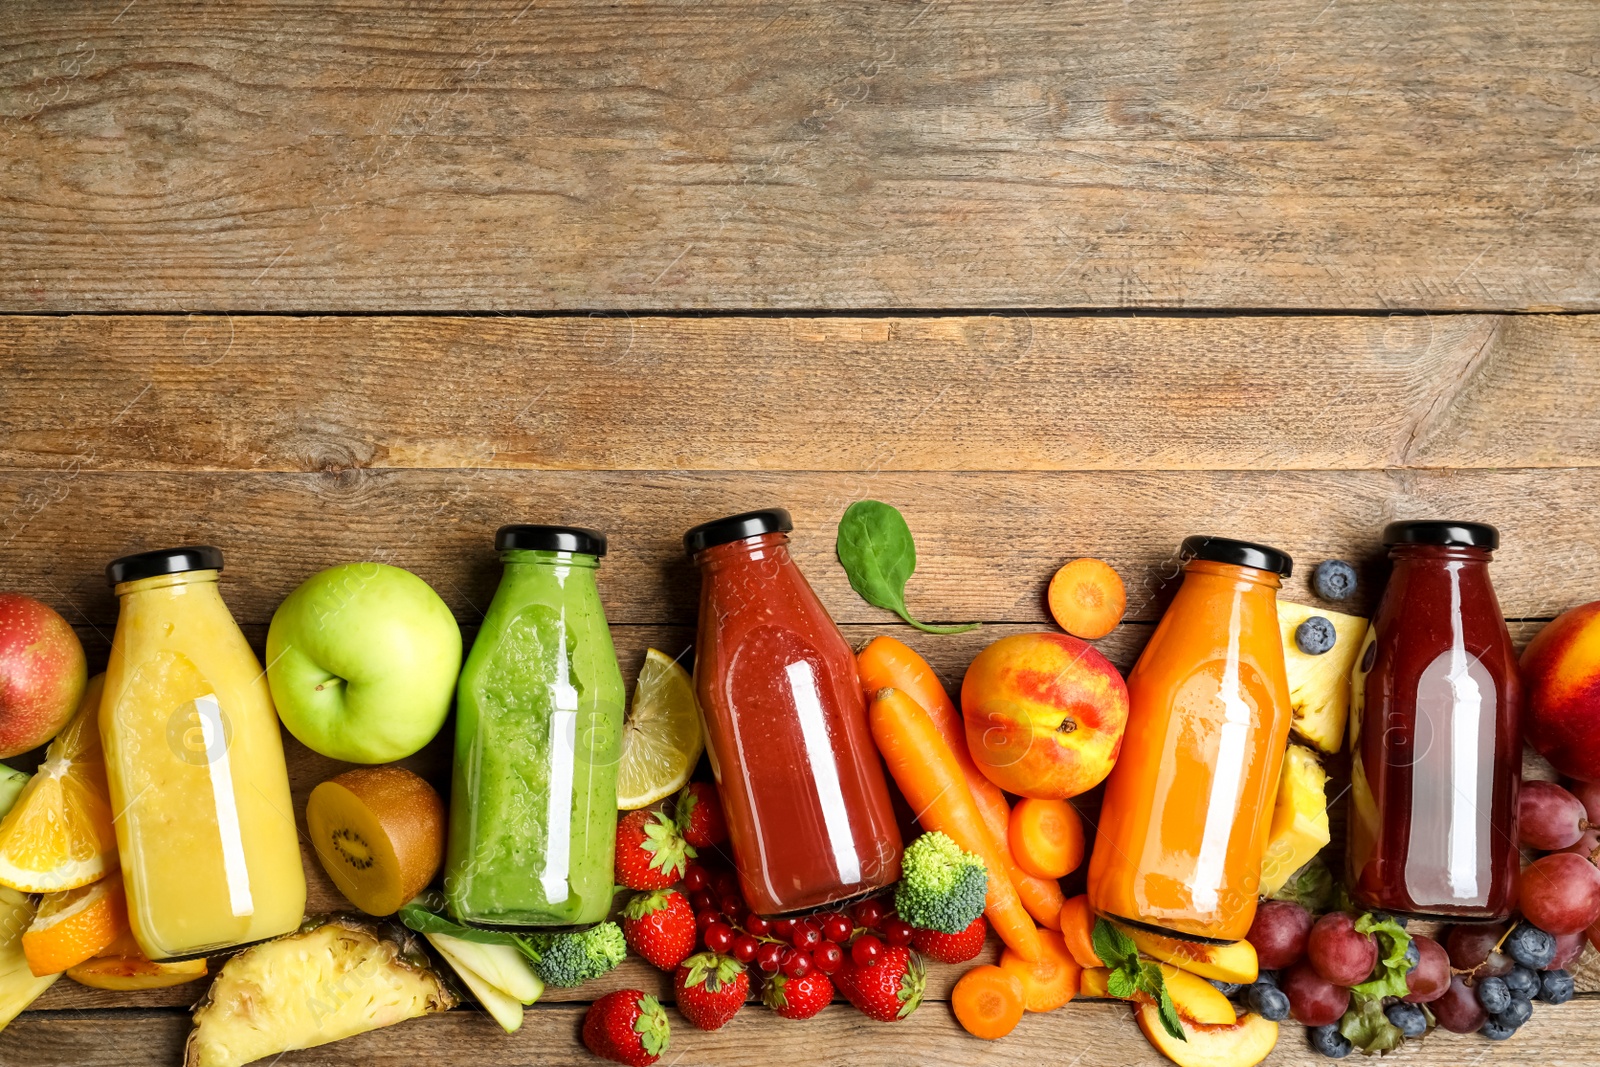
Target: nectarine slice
<point>1243,1044</point>
<point>1235,962</point>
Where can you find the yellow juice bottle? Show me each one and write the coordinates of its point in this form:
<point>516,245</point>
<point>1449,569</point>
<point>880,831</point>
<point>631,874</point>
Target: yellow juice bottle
<point>194,761</point>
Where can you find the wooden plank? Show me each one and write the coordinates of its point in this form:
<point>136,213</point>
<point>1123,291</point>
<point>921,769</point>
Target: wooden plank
<point>895,393</point>
<point>747,153</point>
<point>1088,1032</point>
<point>988,542</point>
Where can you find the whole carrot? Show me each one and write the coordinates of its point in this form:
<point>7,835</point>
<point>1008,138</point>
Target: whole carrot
<point>888,663</point>
<point>929,775</point>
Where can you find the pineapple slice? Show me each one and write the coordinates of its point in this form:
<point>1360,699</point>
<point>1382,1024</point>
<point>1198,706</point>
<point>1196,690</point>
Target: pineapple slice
<point>18,986</point>
<point>1299,819</point>
<point>324,984</point>
<point>1319,686</point>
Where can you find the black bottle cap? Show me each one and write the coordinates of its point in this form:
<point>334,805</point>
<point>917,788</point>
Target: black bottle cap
<point>163,561</point>
<point>1442,532</point>
<point>1239,553</point>
<point>550,539</point>
<point>737,528</point>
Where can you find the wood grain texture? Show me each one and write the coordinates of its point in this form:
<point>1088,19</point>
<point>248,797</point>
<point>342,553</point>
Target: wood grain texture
<point>753,154</point>
<point>988,543</point>
<point>1087,1032</point>
<point>1024,392</point>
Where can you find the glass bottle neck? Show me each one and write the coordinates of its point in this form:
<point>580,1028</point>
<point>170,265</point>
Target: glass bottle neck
<point>522,557</point>
<point>177,583</point>
<point>1440,554</point>
<point>1205,569</point>
<point>772,546</point>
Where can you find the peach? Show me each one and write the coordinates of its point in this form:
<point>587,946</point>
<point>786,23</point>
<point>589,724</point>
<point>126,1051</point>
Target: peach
<point>1242,1044</point>
<point>1561,674</point>
<point>42,673</point>
<point>1044,715</point>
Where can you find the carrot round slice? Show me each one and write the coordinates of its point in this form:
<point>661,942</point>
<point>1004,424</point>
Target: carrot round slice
<point>1049,981</point>
<point>1087,598</point>
<point>988,1002</point>
<point>1046,837</point>
<point>1077,931</point>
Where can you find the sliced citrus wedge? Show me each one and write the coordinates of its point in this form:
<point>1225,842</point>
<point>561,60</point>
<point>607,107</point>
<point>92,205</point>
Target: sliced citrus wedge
<point>58,835</point>
<point>75,926</point>
<point>662,739</point>
<point>122,965</point>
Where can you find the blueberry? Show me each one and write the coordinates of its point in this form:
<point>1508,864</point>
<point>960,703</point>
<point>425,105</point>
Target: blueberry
<point>1408,1019</point>
<point>1494,1031</point>
<point>1555,987</point>
<point>1315,636</point>
<point>1532,947</point>
<point>1269,977</point>
<point>1522,982</point>
<point>1334,579</point>
<point>1227,989</point>
<point>1493,995</point>
<point>1519,1012</point>
<point>1413,955</point>
<point>1390,917</point>
<point>1268,1001</point>
<point>1329,1041</point>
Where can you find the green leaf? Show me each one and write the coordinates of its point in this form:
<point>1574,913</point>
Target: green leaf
<point>1366,1026</point>
<point>1119,985</point>
<point>1115,948</point>
<point>878,554</point>
<point>417,916</point>
<point>1169,1016</point>
<point>1388,978</point>
<point>1151,982</point>
<point>1312,887</point>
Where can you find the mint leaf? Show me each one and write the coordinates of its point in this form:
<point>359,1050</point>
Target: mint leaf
<point>878,555</point>
<point>1388,978</point>
<point>1169,1016</point>
<point>1115,948</point>
<point>1119,985</point>
<point>1366,1026</point>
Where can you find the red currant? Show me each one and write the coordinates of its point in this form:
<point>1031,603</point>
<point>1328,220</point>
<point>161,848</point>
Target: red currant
<point>769,956</point>
<point>719,937</point>
<point>897,931</point>
<point>868,913</point>
<point>755,924</point>
<point>866,950</point>
<point>827,957</point>
<point>733,907</point>
<point>702,900</point>
<point>725,882</point>
<point>784,928</point>
<point>705,917</point>
<point>745,948</point>
<point>806,935</point>
<point>695,878</point>
<point>836,928</point>
<point>796,964</point>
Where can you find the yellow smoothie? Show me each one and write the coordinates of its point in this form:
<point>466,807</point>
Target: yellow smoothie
<point>194,760</point>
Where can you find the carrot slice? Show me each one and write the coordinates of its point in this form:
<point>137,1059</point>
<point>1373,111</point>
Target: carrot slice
<point>890,664</point>
<point>1077,931</point>
<point>1049,981</point>
<point>1046,837</point>
<point>988,1002</point>
<point>1087,598</point>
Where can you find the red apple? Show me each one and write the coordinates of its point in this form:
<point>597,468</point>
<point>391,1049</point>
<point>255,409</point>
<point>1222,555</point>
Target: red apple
<point>1561,675</point>
<point>1044,714</point>
<point>42,673</point>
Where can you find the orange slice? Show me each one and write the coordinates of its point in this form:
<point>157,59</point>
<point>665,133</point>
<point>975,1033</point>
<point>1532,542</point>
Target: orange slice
<point>122,965</point>
<point>58,835</point>
<point>73,926</point>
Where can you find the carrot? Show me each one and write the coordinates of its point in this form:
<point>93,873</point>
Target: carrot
<point>929,776</point>
<point>1049,981</point>
<point>988,1002</point>
<point>1046,837</point>
<point>1077,931</point>
<point>887,663</point>
<point>1087,598</point>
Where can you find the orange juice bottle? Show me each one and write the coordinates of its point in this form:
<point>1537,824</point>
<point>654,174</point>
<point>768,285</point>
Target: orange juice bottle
<point>1189,803</point>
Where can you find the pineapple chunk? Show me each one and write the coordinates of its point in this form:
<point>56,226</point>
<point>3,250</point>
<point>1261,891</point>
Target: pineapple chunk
<point>337,980</point>
<point>1319,686</point>
<point>1299,819</point>
<point>18,986</point>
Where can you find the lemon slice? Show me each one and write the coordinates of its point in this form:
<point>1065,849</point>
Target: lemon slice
<point>661,741</point>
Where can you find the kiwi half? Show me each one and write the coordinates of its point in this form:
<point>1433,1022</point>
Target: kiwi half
<point>379,832</point>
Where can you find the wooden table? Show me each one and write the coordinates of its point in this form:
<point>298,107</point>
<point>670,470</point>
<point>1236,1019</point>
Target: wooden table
<point>333,281</point>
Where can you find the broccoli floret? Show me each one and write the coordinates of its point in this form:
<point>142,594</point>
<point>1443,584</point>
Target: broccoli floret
<point>571,959</point>
<point>941,886</point>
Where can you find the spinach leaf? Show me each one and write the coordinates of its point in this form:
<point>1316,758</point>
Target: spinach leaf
<point>878,555</point>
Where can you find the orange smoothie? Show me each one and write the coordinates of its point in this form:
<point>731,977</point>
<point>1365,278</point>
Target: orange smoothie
<point>1189,804</point>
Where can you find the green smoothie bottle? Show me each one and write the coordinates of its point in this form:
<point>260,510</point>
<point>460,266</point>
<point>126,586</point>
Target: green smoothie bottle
<point>539,709</point>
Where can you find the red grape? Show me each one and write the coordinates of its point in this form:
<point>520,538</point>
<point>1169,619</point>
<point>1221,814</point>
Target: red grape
<point>1549,817</point>
<point>1458,1010</point>
<point>1313,1000</point>
<point>1568,948</point>
<point>1587,845</point>
<point>1560,893</point>
<point>1340,954</point>
<point>1472,950</point>
<point>1428,980</point>
<point>1279,933</point>
<point>1588,794</point>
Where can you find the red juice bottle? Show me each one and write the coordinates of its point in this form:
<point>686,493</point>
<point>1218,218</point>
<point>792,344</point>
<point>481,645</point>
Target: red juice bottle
<point>1435,734</point>
<point>802,786</point>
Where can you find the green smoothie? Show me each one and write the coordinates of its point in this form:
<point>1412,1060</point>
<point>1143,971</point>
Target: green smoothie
<point>539,711</point>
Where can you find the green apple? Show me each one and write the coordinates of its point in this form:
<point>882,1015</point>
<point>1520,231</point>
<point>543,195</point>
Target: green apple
<point>362,662</point>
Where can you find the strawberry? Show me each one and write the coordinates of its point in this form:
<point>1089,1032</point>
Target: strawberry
<point>889,989</point>
<point>700,815</point>
<point>710,988</point>
<point>797,998</point>
<point>627,1026</point>
<point>952,948</point>
<point>659,925</point>
<point>650,852</point>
